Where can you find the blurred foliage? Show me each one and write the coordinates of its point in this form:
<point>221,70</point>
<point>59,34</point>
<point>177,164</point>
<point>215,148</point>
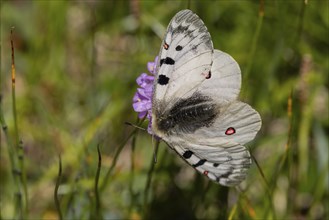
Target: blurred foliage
<point>76,65</point>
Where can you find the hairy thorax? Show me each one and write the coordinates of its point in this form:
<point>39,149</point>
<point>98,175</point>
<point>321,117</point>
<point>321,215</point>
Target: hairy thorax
<point>186,116</point>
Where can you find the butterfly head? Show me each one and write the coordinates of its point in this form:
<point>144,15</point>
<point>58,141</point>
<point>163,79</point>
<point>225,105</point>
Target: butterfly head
<point>156,129</point>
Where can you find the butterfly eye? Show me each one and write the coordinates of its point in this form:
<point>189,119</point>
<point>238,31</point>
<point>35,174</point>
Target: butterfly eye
<point>230,131</point>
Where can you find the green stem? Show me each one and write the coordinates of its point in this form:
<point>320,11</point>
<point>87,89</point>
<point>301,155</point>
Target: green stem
<point>98,203</point>
<point>18,145</point>
<point>23,176</point>
<point>116,156</point>
<point>13,86</point>
<point>132,169</point>
<point>58,182</point>
<point>268,189</point>
<point>149,180</point>
<point>12,159</point>
<point>255,40</point>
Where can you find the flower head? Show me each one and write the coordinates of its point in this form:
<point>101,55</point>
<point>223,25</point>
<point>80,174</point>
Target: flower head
<point>142,101</point>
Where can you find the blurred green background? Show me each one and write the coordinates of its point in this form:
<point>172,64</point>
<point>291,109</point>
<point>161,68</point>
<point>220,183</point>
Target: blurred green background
<point>76,66</point>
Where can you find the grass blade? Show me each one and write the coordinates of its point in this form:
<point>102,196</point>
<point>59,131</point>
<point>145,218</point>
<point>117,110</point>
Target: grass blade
<point>58,182</point>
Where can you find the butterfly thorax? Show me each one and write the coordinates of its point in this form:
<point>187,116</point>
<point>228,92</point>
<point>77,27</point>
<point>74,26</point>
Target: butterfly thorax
<point>185,116</point>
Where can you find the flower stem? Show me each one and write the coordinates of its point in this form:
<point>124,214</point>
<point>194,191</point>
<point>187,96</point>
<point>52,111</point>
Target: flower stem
<point>116,156</point>
<point>149,180</point>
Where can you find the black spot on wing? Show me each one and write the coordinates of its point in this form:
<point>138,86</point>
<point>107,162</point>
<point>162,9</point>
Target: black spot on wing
<point>226,175</point>
<point>199,163</point>
<point>163,80</point>
<point>180,29</point>
<point>167,60</point>
<point>179,48</point>
<point>187,154</point>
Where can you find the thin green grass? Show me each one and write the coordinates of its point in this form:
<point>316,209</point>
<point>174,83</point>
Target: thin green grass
<point>98,200</point>
<point>18,142</point>
<point>15,148</point>
<point>58,182</point>
<point>116,156</point>
<point>149,180</point>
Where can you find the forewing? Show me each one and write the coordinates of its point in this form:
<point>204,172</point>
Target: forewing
<point>227,165</point>
<point>185,58</point>
<point>224,81</point>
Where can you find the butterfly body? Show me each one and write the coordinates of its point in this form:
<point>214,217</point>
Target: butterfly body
<point>195,108</point>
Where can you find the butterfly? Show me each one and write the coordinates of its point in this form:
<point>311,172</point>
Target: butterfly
<point>194,106</point>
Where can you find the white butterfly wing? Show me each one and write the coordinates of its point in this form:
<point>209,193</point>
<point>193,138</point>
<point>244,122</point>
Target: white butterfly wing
<point>185,58</point>
<point>217,150</point>
<point>227,165</point>
<point>224,82</point>
<point>236,122</point>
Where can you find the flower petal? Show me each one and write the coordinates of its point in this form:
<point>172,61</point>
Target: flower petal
<point>142,100</point>
<point>142,114</point>
<point>144,80</point>
<point>151,66</point>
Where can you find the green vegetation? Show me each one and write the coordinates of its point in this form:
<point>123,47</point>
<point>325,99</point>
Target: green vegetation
<point>76,64</point>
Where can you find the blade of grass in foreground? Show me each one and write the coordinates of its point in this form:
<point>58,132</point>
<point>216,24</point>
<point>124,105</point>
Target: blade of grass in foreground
<point>149,180</point>
<point>98,214</point>
<point>116,156</point>
<point>132,175</point>
<point>18,143</point>
<point>58,182</point>
<point>15,151</point>
<point>261,14</point>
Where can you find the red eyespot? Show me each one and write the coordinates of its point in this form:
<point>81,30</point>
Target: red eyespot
<point>208,75</point>
<point>230,131</point>
<point>206,172</point>
<point>166,46</point>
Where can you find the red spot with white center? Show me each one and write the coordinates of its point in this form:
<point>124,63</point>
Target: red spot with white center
<point>230,131</point>
<point>208,75</point>
<point>206,172</point>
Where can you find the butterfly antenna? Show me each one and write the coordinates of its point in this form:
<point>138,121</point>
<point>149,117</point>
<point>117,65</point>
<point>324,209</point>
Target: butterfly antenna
<point>135,126</point>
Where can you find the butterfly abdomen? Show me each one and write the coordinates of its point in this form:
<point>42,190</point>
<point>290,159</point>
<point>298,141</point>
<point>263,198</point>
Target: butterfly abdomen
<point>188,115</point>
